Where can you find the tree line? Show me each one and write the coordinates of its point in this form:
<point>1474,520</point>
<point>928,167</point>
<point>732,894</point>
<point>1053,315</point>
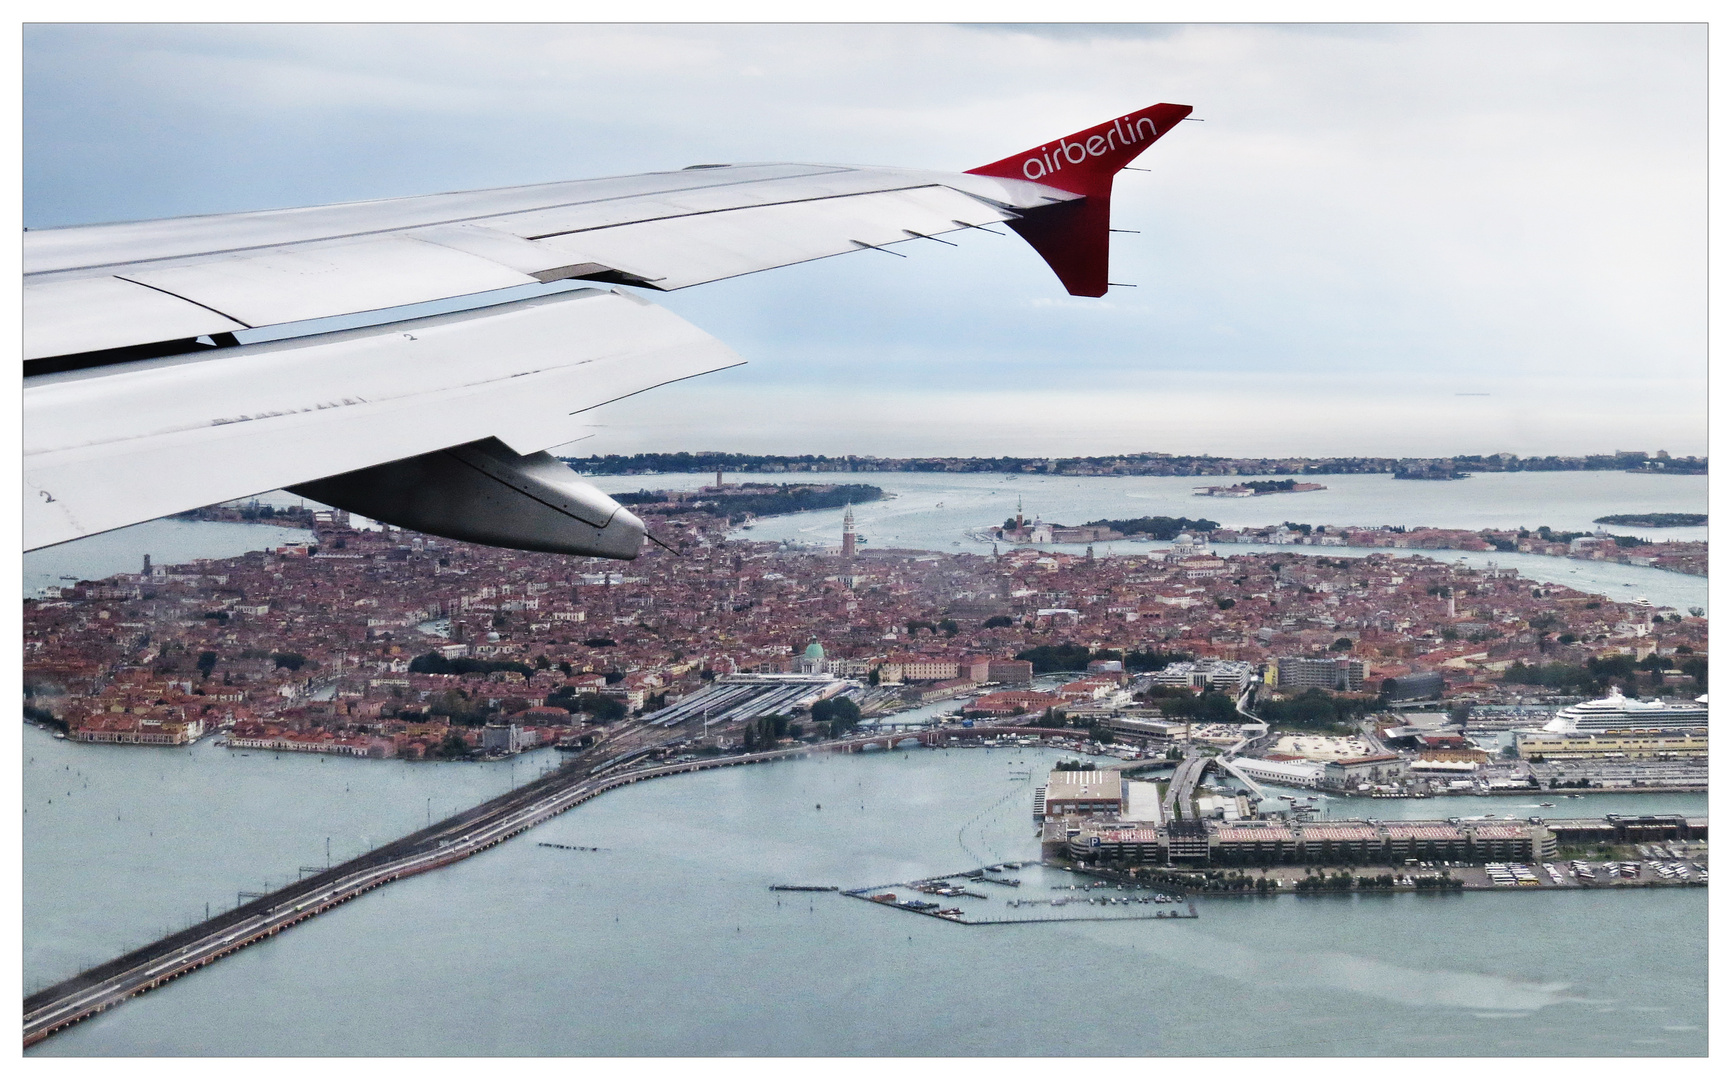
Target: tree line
<point>1158,527</point>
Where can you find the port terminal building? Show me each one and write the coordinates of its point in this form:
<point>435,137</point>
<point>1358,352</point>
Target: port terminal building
<point>1629,828</point>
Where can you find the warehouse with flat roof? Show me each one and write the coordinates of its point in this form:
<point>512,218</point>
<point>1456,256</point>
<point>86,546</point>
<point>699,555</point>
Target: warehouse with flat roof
<point>1331,843</point>
<point>1093,792</point>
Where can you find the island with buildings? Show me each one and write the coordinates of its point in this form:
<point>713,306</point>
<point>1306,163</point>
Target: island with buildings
<point>379,643</point>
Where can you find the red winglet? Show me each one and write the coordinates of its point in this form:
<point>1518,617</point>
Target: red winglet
<point>1073,237</point>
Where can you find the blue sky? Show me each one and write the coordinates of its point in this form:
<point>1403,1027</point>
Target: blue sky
<point>1382,240</point>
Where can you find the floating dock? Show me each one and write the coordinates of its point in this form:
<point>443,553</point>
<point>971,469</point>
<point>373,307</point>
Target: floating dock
<point>942,886</point>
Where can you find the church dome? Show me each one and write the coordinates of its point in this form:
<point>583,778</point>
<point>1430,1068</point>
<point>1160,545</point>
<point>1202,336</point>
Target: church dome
<point>1185,538</point>
<point>814,651</point>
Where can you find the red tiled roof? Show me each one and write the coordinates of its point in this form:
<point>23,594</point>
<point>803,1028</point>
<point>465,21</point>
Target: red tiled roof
<point>1338,832</point>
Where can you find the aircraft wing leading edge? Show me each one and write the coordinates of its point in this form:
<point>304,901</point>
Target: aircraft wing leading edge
<point>141,401</point>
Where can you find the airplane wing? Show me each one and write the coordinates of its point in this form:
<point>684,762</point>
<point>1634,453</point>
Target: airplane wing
<point>166,368</point>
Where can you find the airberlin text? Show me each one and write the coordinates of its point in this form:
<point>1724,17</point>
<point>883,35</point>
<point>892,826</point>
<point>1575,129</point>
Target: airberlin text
<point>1050,159</point>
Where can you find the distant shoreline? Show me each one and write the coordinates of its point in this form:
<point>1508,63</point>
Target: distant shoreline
<point>1653,521</point>
<point>1139,464</point>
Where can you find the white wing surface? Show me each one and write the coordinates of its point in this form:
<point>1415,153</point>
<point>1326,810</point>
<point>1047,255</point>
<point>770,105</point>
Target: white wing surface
<point>142,399</point>
<point>104,287</point>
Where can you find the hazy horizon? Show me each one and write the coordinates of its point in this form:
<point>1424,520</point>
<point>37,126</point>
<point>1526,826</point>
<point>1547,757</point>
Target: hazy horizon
<point>575,450</point>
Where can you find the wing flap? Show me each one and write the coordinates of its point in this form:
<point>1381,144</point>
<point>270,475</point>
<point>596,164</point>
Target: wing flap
<point>109,447</point>
<point>313,281</point>
<point>87,314</point>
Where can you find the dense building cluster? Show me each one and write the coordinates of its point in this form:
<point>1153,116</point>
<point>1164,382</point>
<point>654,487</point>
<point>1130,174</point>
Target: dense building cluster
<point>1685,556</point>
<point>390,643</point>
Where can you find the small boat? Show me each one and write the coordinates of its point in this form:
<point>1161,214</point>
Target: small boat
<point>1547,804</point>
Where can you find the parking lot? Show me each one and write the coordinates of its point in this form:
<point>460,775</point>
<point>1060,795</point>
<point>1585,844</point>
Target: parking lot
<point>1656,866</point>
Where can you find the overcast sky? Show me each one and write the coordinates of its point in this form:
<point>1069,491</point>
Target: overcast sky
<point>1382,240</point>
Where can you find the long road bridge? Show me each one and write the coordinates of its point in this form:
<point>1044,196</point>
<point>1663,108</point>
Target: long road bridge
<point>458,837</point>
<point>586,776</point>
<point>595,772</point>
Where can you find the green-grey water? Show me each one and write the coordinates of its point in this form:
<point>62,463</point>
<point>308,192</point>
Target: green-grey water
<point>668,941</point>
<point>939,511</point>
<point>169,541</point>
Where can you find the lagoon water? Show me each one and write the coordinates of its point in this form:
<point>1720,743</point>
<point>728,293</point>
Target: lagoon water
<point>166,540</point>
<point>936,511</point>
<point>1563,500</point>
<point>668,941</point>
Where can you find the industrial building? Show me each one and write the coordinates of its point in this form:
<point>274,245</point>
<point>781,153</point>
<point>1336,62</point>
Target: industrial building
<point>1331,843</point>
<point>1092,792</point>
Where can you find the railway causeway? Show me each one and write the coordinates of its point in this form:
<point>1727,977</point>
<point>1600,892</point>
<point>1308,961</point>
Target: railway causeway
<point>458,837</point>
<point>263,916</point>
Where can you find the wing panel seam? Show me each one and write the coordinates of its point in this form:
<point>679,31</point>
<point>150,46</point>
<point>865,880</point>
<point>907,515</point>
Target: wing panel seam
<point>452,453</point>
<point>188,299</point>
<point>731,209</point>
<point>669,382</point>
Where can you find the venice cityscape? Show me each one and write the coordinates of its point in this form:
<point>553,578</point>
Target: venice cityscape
<point>679,541</point>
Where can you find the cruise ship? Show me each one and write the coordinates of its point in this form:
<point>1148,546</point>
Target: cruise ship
<point>1618,713</point>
